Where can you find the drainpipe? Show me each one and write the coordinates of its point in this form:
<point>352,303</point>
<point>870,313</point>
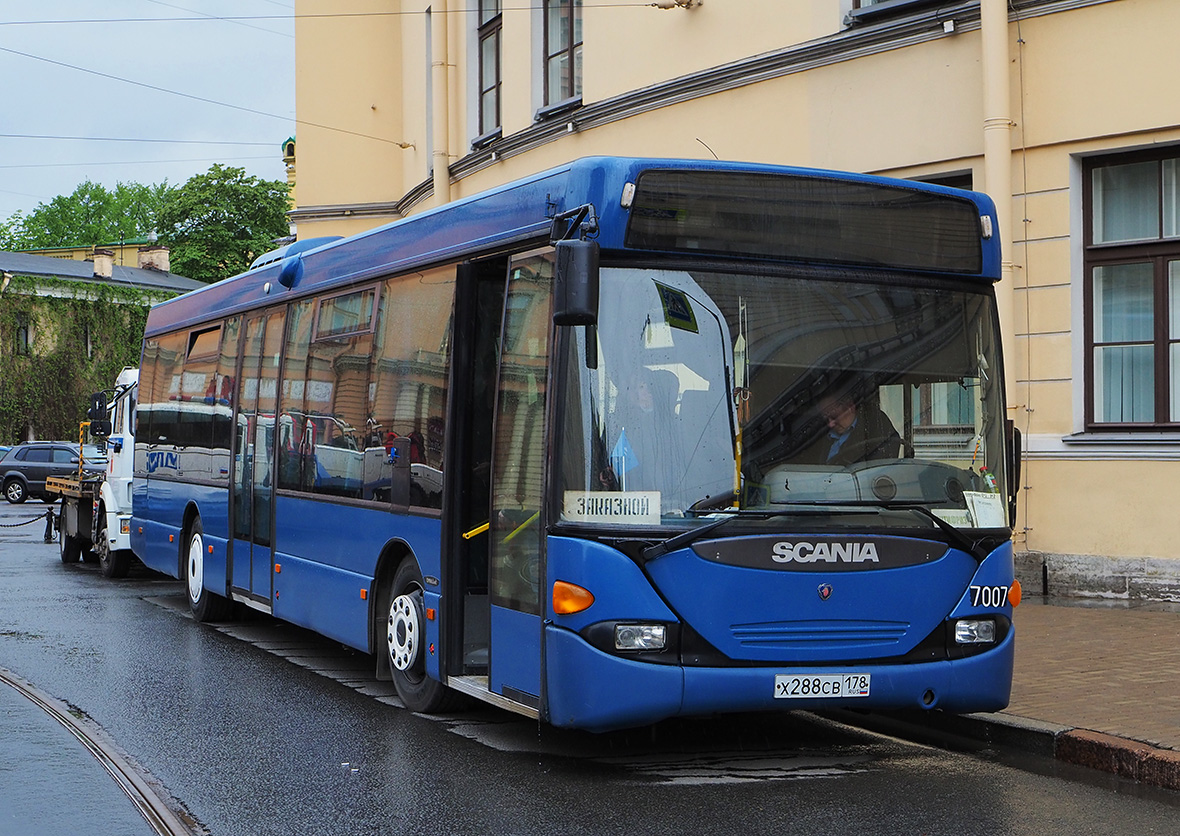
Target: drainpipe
<point>440,102</point>
<point>997,160</point>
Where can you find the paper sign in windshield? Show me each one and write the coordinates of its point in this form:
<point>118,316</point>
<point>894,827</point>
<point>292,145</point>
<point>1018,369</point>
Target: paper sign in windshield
<point>987,509</point>
<point>613,507</point>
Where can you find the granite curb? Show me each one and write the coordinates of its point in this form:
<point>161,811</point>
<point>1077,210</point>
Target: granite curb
<point>1120,756</point>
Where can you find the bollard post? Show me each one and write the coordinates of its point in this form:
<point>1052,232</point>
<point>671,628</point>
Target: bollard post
<point>49,526</point>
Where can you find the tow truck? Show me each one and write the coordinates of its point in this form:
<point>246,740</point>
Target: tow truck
<point>95,514</point>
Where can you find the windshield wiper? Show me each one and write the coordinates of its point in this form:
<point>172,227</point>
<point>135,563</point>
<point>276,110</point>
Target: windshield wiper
<point>685,538</point>
<point>956,537</point>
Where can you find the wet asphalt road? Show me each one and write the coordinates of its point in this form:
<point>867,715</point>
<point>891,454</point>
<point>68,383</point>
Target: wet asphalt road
<point>260,728</point>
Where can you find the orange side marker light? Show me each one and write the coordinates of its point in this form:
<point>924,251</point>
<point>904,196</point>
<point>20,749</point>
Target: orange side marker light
<point>1015,593</point>
<point>364,594</point>
<point>569,598</point>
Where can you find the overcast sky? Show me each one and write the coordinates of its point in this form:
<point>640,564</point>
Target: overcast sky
<point>206,81</point>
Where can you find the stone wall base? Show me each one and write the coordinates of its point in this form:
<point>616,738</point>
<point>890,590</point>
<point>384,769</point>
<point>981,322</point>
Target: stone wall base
<point>1095,576</point>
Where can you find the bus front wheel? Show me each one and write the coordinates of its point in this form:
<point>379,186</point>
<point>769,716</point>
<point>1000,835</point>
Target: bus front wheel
<point>405,643</point>
<point>205,605</point>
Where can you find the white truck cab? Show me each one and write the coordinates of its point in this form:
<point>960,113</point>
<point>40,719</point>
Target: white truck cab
<point>113,517</point>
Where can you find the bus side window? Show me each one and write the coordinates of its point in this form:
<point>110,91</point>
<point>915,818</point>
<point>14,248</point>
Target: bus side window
<point>411,364</point>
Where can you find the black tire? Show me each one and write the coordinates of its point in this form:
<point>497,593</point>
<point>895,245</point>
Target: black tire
<point>405,644</point>
<point>113,563</point>
<point>205,605</point>
<point>15,491</point>
<point>70,546</point>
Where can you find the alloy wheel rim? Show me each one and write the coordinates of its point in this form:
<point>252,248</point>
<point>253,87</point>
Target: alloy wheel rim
<point>196,568</point>
<point>403,632</point>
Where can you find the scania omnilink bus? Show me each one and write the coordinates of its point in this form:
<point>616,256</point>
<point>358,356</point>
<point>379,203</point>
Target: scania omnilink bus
<point>624,440</point>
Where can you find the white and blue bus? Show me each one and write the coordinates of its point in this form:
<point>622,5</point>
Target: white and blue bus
<point>625,440</point>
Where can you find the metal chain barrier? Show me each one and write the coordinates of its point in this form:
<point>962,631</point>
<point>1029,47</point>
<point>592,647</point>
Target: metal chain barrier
<point>50,524</point>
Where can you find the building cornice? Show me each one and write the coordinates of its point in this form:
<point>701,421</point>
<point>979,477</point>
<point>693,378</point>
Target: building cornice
<point>389,209</point>
<point>1103,446</point>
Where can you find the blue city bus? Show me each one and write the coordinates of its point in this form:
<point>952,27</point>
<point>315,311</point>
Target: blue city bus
<point>625,440</point>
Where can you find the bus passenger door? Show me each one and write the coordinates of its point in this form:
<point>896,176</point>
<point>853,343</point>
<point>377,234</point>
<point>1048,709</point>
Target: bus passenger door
<point>516,535</point>
<point>254,456</point>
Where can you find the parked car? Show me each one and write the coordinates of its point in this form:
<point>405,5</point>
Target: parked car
<point>25,467</point>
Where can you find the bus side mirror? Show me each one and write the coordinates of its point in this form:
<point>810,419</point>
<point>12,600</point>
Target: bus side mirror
<point>575,291</point>
<point>1015,457</point>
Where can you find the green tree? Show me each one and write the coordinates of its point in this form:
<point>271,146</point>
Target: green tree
<point>90,216</point>
<point>217,223</point>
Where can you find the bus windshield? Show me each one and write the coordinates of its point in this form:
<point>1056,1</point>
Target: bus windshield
<point>702,393</point>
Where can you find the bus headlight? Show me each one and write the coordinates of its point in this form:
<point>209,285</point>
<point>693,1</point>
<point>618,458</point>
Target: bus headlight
<point>640,636</point>
<point>975,631</point>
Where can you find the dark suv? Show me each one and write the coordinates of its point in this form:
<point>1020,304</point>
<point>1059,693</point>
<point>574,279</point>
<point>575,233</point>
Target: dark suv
<point>24,468</point>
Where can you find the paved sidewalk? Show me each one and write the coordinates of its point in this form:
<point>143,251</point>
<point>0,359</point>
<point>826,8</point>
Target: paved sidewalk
<point>1109,669</point>
<point>1096,684</point>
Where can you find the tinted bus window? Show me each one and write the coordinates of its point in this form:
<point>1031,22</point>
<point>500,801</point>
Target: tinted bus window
<point>163,398</point>
<point>411,361</point>
<point>296,432</point>
<point>335,397</point>
<point>221,400</point>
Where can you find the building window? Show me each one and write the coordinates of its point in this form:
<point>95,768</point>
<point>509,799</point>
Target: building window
<point>563,50</point>
<point>489,36</point>
<point>24,336</point>
<point>865,10</point>
<point>1132,290</point>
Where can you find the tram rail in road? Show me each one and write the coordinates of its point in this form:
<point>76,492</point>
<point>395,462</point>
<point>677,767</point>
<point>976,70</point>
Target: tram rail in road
<point>156,810</point>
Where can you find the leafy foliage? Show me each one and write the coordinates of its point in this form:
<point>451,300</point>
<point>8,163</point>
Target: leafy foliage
<point>79,346</point>
<point>217,223</point>
<point>91,216</point>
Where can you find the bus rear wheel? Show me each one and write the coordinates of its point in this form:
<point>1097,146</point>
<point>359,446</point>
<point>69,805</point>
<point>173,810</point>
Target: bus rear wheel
<point>205,605</point>
<point>405,644</point>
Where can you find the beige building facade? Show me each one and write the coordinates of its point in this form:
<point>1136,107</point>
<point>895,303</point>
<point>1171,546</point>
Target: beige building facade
<point>1063,110</point>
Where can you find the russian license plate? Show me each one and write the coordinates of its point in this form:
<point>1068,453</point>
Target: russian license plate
<point>820,686</point>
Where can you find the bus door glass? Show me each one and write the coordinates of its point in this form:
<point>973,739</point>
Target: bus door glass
<point>254,447</point>
<point>516,536</point>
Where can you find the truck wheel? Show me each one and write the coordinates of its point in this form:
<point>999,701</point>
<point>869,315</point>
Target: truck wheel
<point>14,491</point>
<point>113,563</point>
<point>71,547</point>
<point>205,605</point>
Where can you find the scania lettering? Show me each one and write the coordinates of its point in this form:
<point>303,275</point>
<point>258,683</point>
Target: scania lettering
<point>624,440</point>
<point>829,552</point>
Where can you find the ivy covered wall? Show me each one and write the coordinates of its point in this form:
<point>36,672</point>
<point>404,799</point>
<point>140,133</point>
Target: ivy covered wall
<point>80,335</point>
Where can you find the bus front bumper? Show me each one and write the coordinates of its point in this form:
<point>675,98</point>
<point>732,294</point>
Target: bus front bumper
<point>596,691</point>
